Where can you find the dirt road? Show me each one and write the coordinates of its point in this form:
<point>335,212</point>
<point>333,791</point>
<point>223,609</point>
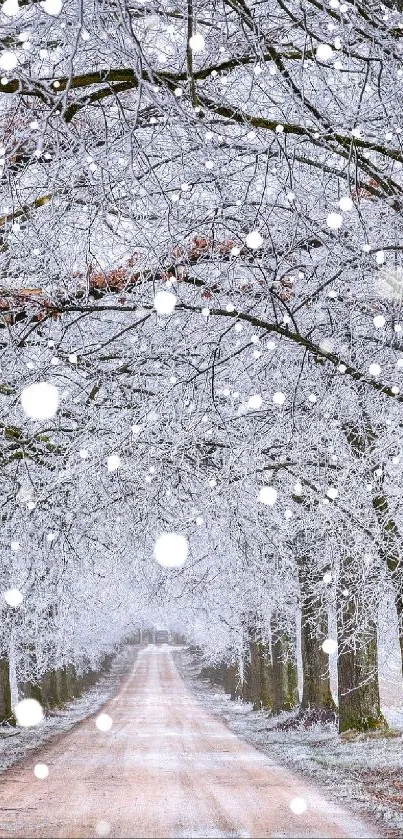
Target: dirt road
<point>166,768</point>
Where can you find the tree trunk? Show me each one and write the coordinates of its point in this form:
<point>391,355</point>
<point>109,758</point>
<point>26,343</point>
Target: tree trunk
<point>358,689</point>
<point>266,680</point>
<point>232,681</point>
<point>316,693</point>
<point>214,674</point>
<point>107,663</point>
<point>399,609</point>
<point>390,551</point>
<point>6,714</point>
<point>284,675</point>
<point>32,690</point>
<point>63,685</point>
<point>72,681</point>
<point>257,685</point>
<point>251,687</point>
<point>87,679</point>
<point>50,689</point>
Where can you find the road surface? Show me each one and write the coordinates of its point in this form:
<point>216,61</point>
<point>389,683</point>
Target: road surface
<point>166,768</point>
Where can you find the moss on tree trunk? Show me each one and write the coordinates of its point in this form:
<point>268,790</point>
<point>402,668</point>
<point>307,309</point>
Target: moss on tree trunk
<point>358,689</point>
<point>265,697</point>
<point>6,714</point>
<point>316,693</point>
<point>257,686</point>
<point>63,685</point>
<point>283,671</point>
<point>251,682</point>
<point>50,689</point>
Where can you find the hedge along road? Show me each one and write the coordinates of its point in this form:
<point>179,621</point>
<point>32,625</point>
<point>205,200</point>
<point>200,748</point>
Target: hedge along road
<point>166,768</point>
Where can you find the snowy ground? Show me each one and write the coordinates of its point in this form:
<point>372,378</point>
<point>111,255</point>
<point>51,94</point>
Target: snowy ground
<point>363,772</point>
<point>15,743</point>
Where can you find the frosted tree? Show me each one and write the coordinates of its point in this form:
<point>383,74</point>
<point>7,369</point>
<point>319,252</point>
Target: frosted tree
<point>200,252</point>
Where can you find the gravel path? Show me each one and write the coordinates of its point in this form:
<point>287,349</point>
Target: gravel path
<point>166,768</point>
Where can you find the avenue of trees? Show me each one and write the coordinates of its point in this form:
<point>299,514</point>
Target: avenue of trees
<point>201,251</point>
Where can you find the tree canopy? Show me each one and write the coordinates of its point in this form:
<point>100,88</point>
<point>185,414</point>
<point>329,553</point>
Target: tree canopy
<point>200,250</point>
